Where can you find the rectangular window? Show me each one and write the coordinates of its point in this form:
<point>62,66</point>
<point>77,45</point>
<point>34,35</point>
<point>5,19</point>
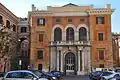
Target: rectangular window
<point>41,37</point>
<point>40,54</point>
<point>99,20</point>
<point>82,20</point>
<point>69,20</point>
<point>26,54</point>
<point>22,52</point>
<point>57,20</point>
<point>101,54</point>
<point>100,36</point>
<point>41,21</point>
<point>101,65</point>
<point>23,29</point>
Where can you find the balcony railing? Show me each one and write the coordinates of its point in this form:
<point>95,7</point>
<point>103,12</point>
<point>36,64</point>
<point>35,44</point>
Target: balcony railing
<point>63,43</point>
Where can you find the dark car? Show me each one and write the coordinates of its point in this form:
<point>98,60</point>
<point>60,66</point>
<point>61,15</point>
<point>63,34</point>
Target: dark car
<point>100,75</point>
<point>1,75</point>
<point>57,74</point>
<point>95,75</point>
<point>48,75</point>
<point>117,70</point>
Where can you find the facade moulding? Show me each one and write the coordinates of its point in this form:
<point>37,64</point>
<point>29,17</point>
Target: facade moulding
<point>5,12</point>
<point>100,11</point>
<point>68,13</point>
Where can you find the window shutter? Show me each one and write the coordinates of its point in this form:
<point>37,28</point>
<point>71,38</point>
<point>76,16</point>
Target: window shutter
<point>103,20</point>
<point>43,21</point>
<point>37,21</point>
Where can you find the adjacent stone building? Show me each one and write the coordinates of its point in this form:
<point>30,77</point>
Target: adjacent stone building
<point>8,26</point>
<point>116,49</point>
<point>23,40</point>
<point>72,39</point>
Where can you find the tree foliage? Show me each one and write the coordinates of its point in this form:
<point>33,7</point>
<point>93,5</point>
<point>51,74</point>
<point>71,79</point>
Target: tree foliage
<point>8,45</point>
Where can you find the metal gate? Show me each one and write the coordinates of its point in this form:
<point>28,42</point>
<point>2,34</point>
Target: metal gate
<point>70,63</point>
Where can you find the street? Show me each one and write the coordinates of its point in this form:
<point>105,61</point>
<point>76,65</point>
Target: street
<point>75,78</point>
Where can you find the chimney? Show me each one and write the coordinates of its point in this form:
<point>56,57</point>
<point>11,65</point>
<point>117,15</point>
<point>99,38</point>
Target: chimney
<point>91,6</point>
<point>33,7</point>
<point>108,6</point>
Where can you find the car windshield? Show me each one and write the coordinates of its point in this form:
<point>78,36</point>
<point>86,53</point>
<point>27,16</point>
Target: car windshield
<point>106,73</point>
<point>97,73</point>
<point>37,73</point>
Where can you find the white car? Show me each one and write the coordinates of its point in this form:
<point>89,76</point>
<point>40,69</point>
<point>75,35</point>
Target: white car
<point>113,76</point>
<point>24,75</point>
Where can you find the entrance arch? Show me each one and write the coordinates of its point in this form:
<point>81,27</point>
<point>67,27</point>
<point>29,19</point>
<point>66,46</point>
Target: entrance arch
<point>70,63</point>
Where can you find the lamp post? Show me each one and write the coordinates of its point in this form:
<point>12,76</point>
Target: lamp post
<point>20,63</point>
<point>19,48</point>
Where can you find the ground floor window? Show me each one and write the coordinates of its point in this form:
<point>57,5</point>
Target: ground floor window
<point>39,66</point>
<point>101,65</point>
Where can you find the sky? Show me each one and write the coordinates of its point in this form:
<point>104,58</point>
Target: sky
<point>21,7</point>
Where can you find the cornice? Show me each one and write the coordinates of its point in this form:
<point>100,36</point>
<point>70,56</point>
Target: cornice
<point>5,12</point>
<point>41,13</point>
<point>47,13</point>
<point>100,11</point>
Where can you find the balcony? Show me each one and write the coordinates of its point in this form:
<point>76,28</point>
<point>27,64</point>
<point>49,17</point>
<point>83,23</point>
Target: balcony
<point>69,43</point>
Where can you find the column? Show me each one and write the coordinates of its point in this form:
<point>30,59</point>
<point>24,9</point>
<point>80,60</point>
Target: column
<point>57,58</point>
<point>85,61</point>
<point>53,58</point>
<point>62,61</point>
<point>78,72</point>
<point>89,60</point>
<point>83,64</point>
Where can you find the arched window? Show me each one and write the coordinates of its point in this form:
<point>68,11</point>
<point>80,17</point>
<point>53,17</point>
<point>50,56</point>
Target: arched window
<point>82,34</point>
<point>8,24</point>
<point>1,20</point>
<point>57,34</point>
<point>70,34</point>
<point>14,27</point>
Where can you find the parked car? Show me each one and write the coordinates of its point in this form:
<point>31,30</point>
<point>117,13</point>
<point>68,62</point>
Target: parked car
<point>106,73</point>
<point>95,75</point>
<point>57,74</point>
<point>1,75</point>
<point>117,70</point>
<point>24,75</point>
<point>113,76</point>
<point>48,75</point>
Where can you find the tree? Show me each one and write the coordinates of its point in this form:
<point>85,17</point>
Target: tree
<point>4,48</point>
<point>7,47</point>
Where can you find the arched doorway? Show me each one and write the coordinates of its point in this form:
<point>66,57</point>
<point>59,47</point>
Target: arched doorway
<point>70,63</point>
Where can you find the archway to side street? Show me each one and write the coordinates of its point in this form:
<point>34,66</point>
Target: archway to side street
<point>70,63</point>
<point>24,52</point>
